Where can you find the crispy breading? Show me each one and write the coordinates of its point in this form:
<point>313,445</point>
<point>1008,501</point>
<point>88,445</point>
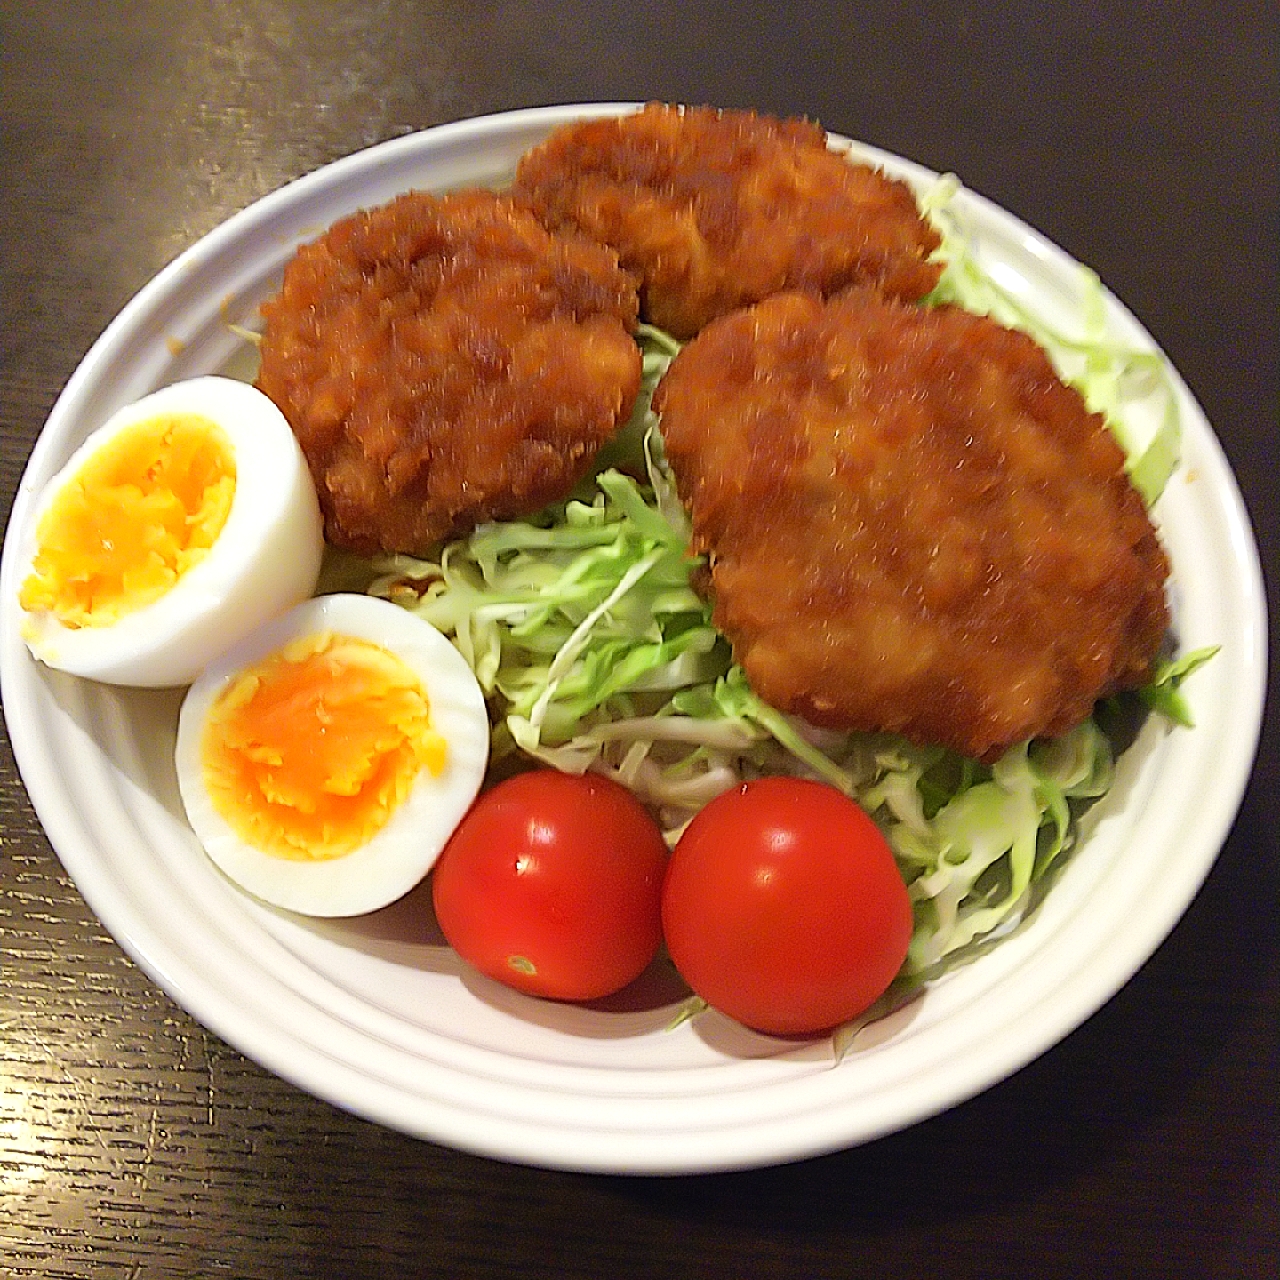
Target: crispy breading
<point>445,361</point>
<point>912,523</point>
<point>717,209</point>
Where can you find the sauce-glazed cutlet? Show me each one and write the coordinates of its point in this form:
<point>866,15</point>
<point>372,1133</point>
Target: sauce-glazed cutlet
<point>445,360</point>
<point>716,209</point>
<point>912,523</point>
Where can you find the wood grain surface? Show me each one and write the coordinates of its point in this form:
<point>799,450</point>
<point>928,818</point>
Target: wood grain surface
<point>1143,139</point>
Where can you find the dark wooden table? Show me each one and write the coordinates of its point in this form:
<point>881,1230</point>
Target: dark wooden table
<point>1142,138</point>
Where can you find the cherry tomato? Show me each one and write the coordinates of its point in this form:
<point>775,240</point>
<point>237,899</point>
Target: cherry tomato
<point>552,884</point>
<point>783,907</point>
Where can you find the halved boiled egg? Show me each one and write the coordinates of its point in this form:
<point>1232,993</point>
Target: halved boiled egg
<point>178,527</point>
<point>326,760</point>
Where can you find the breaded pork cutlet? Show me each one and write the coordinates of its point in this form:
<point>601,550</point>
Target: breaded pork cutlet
<point>445,361</point>
<point>716,209</point>
<point>912,523</point>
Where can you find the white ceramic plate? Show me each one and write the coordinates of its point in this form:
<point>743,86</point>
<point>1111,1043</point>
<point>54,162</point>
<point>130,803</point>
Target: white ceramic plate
<point>376,1014</point>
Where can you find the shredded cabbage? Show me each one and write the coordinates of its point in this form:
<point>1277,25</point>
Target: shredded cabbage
<point>595,652</point>
<point>1113,376</point>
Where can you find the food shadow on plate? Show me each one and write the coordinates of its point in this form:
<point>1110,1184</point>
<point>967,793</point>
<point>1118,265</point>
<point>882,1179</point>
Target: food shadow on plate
<point>730,1039</point>
<point>406,933</point>
<point>647,1006</point>
<point>1136,735</point>
<point>132,731</point>
<point>403,933</point>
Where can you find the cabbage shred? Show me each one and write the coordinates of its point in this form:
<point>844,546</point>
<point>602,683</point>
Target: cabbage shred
<point>595,652</point>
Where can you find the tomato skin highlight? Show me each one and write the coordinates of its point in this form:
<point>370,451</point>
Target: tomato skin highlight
<point>783,907</point>
<point>552,884</point>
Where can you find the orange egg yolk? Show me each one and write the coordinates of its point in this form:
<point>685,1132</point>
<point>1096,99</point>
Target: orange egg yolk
<point>308,753</point>
<point>136,516</point>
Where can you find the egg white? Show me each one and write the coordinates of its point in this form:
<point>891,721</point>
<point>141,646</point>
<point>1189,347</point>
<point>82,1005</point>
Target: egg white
<point>399,855</point>
<point>265,560</point>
